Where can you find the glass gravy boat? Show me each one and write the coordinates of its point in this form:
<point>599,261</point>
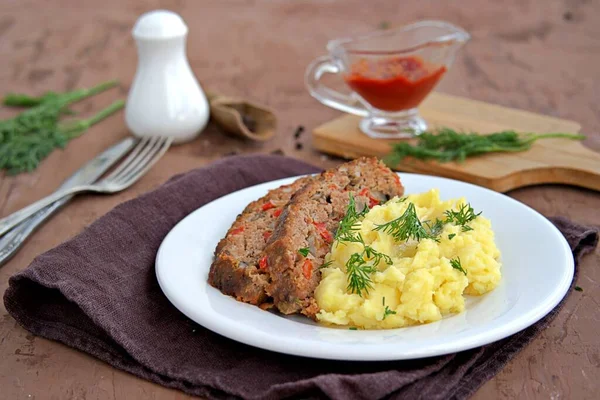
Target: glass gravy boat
<point>390,73</point>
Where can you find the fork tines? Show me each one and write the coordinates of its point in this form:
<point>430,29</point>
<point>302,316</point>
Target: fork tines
<point>145,154</point>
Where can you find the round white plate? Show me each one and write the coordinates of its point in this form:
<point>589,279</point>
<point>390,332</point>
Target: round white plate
<point>537,269</point>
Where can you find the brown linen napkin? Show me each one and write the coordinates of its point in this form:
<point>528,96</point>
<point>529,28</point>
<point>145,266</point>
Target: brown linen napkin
<point>98,293</point>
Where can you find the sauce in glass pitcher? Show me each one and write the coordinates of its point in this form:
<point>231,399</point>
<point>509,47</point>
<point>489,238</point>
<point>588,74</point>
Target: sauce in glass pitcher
<point>394,83</point>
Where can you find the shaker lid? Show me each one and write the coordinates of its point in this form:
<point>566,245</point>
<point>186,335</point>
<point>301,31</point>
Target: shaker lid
<point>159,24</point>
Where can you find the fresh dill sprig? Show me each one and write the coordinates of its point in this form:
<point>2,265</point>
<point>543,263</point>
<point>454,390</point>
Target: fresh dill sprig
<point>349,224</point>
<point>305,251</point>
<point>451,236</point>
<point>409,226</point>
<point>376,256</point>
<point>406,226</point>
<point>462,217</point>
<point>360,266</point>
<point>28,138</point>
<point>359,274</point>
<point>455,263</point>
<point>387,311</point>
<point>326,265</point>
<point>435,228</point>
<point>446,144</point>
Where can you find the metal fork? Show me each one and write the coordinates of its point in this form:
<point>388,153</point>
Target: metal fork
<point>139,161</point>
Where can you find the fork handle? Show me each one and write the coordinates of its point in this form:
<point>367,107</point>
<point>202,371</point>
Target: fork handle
<point>13,240</point>
<point>9,222</point>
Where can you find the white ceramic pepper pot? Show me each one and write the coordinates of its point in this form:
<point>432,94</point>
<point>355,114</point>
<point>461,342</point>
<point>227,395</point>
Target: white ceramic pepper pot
<point>165,98</point>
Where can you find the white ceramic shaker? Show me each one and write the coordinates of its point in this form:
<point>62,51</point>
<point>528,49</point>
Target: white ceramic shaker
<point>165,98</point>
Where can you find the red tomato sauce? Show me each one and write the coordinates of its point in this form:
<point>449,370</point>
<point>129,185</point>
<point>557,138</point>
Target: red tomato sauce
<point>394,83</point>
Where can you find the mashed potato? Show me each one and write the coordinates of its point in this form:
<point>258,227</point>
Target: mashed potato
<point>421,285</point>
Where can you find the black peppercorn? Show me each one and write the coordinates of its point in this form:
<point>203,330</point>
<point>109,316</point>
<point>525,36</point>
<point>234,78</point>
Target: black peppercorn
<point>299,131</point>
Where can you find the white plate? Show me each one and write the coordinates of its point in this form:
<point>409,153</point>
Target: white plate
<point>537,269</point>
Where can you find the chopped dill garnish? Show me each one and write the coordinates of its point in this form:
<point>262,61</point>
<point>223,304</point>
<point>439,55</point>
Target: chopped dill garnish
<point>406,226</point>
<point>368,251</point>
<point>359,274</point>
<point>349,224</point>
<point>359,266</point>
<point>353,238</point>
<point>376,256</point>
<point>579,289</point>
<point>451,236</point>
<point>457,265</point>
<point>387,311</point>
<point>305,251</point>
<point>359,270</point>
<point>353,328</point>
<point>409,226</point>
<point>326,265</point>
<point>436,228</point>
<point>462,217</point>
<point>402,199</point>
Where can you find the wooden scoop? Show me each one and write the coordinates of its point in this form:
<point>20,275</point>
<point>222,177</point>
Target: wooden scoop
<point>242,118</point>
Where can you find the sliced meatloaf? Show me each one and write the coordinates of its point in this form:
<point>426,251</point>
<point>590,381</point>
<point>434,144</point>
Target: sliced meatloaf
<point>236,269</point>
<point>310,220</point>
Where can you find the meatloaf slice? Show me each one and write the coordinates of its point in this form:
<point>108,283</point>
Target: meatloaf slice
<point>311,219</point>
<point>236,269</point>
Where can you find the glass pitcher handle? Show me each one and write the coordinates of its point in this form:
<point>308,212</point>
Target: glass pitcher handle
<point>328,96</point>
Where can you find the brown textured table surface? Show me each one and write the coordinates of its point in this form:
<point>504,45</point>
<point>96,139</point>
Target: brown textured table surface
<point>539,55</point>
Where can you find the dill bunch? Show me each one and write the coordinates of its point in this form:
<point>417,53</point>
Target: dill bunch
<point>446,144</point>
<point>29,137</point>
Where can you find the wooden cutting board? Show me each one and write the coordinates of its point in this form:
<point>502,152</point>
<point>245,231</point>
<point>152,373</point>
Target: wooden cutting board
<point>548,161</point>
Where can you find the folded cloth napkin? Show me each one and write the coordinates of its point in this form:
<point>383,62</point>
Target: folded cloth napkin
<point>98,293</point>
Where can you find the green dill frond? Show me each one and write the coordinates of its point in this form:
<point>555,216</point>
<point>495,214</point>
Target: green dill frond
<point>455,263</point>
<point>435,228</point>
<point>386,311</point>
<point>304,252</point>
<point>446,144</point>
<point>350,223</point>
<point>407,226</point>
<point>359,274</point>
<point>462,217</point>
<point>29,137</point>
